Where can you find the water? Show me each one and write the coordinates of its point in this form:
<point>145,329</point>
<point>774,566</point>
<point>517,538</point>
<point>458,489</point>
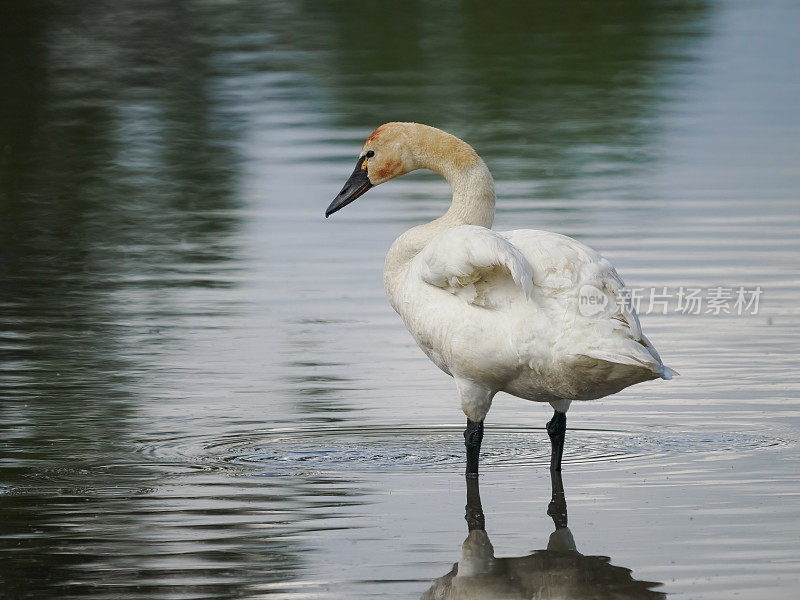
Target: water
<point>204,391</point>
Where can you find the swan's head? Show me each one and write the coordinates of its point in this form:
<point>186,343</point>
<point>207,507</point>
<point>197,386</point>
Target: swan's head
<point>385,155</point>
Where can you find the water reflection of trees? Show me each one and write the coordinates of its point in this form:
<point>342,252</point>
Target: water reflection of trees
<point>556,90</point>
<point>112,157</point>
<point>115,185</point>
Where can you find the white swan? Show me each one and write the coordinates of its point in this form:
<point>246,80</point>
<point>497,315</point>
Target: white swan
<point>501,311</point>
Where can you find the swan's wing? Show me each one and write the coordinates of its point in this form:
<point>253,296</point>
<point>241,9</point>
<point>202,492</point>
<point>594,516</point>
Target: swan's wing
<point>560,262</point>
<point>476,264</point>
<point>564,271</point>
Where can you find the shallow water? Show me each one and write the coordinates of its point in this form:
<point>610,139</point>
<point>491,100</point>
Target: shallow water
<point>204,391</point>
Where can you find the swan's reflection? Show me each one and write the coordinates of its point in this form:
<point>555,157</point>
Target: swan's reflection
<point>558,572</point>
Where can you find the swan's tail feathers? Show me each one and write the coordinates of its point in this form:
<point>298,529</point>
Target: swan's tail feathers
<point>656,369</point>
<point>667,372</point>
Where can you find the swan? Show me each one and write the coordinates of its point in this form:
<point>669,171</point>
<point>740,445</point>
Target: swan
<point>534,314</point>
<point>560,571</point>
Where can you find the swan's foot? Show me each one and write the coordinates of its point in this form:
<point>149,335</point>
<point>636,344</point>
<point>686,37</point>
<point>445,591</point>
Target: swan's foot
<point>473,436</point>
<point>556,429</point>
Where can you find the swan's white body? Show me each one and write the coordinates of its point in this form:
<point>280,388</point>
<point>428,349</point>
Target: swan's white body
<point>499,311</point>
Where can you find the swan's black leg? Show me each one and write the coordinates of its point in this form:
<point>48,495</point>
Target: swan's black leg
<point>473,436</point>
<point>556,428</point>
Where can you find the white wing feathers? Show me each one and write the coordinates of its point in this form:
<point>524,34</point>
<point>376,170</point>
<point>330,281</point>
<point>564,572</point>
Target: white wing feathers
<point>562,267</point>
<point>504,272</point>
<point>477,264</point>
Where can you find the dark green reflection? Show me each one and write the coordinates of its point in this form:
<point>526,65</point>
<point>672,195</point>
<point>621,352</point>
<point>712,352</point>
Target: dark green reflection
<point>554,92</point>
<point>114,175</point>
<point>115,178</point>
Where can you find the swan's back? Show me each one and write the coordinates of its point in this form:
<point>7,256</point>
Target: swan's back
<point>602,342</point>
<point>560,262</point>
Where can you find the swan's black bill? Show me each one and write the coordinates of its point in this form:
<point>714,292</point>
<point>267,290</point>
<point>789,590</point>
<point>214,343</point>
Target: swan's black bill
<point>357,185</point>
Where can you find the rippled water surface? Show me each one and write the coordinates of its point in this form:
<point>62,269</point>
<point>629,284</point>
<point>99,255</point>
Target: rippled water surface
<point>205,393</point>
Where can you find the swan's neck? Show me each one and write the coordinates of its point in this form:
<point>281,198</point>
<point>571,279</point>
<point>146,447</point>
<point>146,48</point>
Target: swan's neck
<point>470,181</point>
<point>473,196</point>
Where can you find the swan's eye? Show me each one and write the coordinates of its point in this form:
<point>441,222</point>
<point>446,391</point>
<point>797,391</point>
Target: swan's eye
<point>370,153</point>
